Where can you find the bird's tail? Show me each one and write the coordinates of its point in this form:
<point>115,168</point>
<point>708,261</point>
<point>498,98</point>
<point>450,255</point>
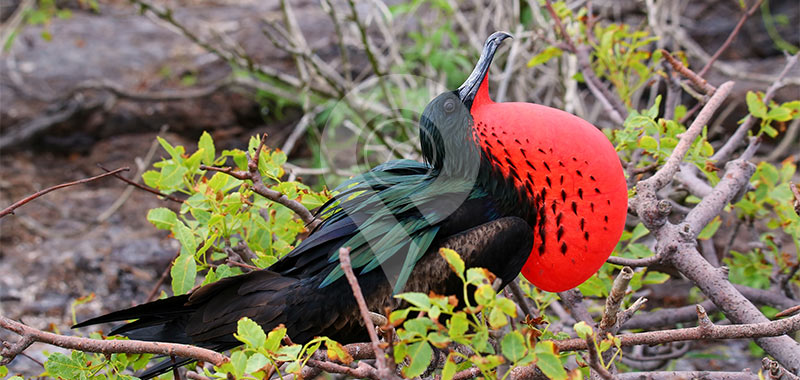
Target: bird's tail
<point>206,318</point>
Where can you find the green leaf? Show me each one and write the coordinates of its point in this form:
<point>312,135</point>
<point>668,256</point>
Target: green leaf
<point>239,363</point>
<point>420,354</point>
<point>547,360</point>
<point>755,105</point>
<point>163,218</point>
<point>477,276</point>
<point>438,340</point>
<point>417,299</point>
<point>513,346</point>
<point>256,362</point>
<point>337,352</point>
<point>655,278</point>
<point>3,371</point>
<point>206,143</point>
<point>419,326</point>
<point>250,333</point>
<point>507,306</point>
<point>399,315</point>
<point>547,54</point>
<point>175,153</point>
<point>454,260</point>
<point>780,114</point>
<point>485,294</point>
<point>186,238</point>
<point>769,173</point>
<point>183,272</point>
<point>638,232</point>
<point>497,319</point>
<point>648,143</point>
<point>66,367</point>
<point>450,367</point>
<point>710,229</point>
<point>171,176</point>
<point>274,338</point>
<point>458,324</point>
<point>151,178</point>
<point>583,329</point>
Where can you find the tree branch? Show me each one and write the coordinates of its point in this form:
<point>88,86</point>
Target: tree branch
<point>380,358</point>
<point>614,300</point>
<point>10,209</point>
<point>704,332</point>
<point>671,375</point>
<point>31,335</point>
<point>731,37</point>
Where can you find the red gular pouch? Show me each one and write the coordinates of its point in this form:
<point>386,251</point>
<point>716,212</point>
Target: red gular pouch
<point>573,174</point>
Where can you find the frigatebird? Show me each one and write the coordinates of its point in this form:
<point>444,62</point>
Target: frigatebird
<point>509,186</point>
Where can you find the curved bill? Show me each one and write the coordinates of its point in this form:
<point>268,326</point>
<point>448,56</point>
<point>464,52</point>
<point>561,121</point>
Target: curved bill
<point>470,87</point>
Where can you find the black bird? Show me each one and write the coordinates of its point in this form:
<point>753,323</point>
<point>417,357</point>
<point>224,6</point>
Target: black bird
<point>471,195</point>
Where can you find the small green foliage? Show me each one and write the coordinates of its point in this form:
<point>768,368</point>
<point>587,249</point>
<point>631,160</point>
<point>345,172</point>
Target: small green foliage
<point>774,113</point>
<point>547,54</point>
<point>85,366</point>
<point>482,312</point>
<point>221,211</point>
<point>263,353</point>
<point>771,203</point>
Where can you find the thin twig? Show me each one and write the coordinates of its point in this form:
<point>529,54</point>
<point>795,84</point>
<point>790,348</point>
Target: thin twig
<point>634,263</point>
<point>665,174</point>
<point>253,175</point>
<point>10,209</point>
<point>731,37</point>
<point>594,360</point>
<point>695,78</point>
<point>143,187</point>
<point>380,357</point>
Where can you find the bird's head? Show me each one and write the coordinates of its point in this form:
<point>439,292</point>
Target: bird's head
<point>445,126</point>
<point>560,169</point>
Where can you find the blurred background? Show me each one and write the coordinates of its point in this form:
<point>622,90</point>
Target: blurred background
<point>337,85</point>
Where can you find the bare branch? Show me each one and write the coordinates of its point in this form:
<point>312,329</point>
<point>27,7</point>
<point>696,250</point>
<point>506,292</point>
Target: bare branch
<point>10,209</point>
<point>380,357</point>
<point>614,299</point>
<point>696,79</point>
<point>752,330</point>
<point>30,335</point>
<point>731,37</point>
<point>142,187</point>
<point>634,263</point>
<point>671,375</point>
<point>673,316</point>
<point>665,174</point>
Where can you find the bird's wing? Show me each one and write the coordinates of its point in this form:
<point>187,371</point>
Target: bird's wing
<point>390,214</point>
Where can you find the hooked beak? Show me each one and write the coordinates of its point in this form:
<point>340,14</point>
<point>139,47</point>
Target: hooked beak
<point>470,87</point>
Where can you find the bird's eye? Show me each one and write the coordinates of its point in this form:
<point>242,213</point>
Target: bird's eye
<point>449,106</point>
